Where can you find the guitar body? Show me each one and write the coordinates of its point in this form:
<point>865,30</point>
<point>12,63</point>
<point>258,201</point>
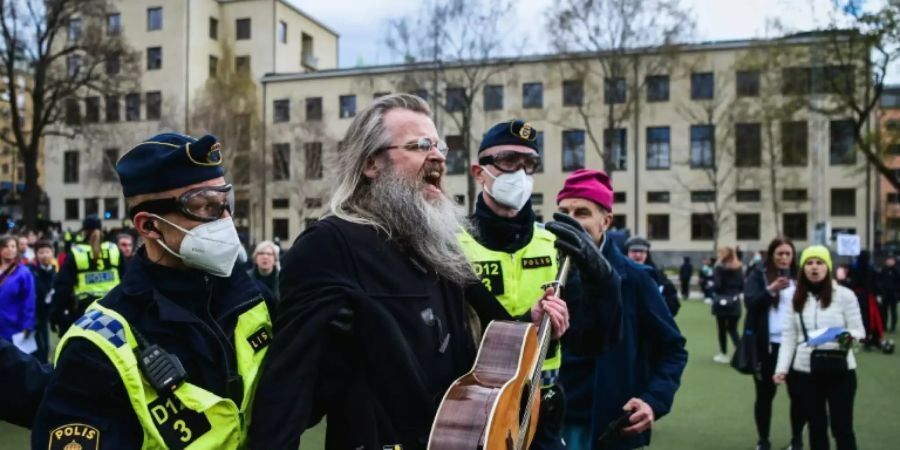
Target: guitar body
<point>483,409</point>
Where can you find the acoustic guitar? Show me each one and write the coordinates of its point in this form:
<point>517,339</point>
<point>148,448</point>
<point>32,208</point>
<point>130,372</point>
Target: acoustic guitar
<point>495,406</point>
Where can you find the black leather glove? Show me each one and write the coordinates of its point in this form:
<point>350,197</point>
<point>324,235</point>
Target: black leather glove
<point>573,241</point>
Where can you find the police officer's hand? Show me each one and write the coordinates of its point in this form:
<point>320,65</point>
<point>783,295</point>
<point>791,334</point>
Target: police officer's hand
<point>573,241</point>
<point>556,308</point>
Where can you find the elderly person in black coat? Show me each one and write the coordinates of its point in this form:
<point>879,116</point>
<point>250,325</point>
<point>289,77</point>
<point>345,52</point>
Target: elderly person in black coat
<point>768,291</point>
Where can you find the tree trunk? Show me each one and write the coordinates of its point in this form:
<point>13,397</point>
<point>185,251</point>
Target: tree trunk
<point>30,197</point>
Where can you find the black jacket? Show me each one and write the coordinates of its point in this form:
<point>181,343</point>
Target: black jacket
<point>366,335</point>
<point>728,281</point>
<point>758,302</point>
<point>889,283</point>
<point>24,380</point>
<point>43,284</point>
<point>186,312</point>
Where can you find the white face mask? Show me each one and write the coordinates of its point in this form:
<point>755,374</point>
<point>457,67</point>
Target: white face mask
<point>212,247</point>
<point>511,189</point>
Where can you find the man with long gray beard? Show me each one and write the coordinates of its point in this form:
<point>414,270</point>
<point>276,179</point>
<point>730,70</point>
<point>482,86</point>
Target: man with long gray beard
<point>373,324</point>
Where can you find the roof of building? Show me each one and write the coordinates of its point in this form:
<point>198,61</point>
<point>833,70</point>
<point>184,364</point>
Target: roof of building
<point>290,5</point>
<point>797,39</point>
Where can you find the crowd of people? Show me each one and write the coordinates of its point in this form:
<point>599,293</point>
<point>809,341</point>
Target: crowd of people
<point>171,337</point>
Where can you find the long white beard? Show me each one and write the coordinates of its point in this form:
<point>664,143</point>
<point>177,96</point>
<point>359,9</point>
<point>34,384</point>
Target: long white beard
<point>428,227</point>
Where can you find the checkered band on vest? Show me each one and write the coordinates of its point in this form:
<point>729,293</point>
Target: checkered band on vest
<point>104,325</point>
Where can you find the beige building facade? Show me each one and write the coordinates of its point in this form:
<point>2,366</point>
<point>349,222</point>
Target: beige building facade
<point>181,45</point>
<point>695,143</point>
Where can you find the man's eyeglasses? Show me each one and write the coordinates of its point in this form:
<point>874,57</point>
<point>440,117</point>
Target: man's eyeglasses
<point>204,204</point>
<point>510,162</point>
<point>423,145</point>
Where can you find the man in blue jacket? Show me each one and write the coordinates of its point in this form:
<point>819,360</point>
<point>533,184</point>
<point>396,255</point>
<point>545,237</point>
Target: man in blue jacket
<point>643,371</point>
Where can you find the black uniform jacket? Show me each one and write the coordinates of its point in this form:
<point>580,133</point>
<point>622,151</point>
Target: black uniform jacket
<point>186,312</point>
<point>23,381</point>
<point>366,335</point>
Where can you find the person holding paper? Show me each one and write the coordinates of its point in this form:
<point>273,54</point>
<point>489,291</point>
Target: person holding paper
<point>16,294</point>
<point>823,373</point>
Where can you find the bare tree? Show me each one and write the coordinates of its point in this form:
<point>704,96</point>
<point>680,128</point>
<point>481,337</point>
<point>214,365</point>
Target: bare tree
<point>68,50</point>
<point>619,40</point>
<point>452,48</point>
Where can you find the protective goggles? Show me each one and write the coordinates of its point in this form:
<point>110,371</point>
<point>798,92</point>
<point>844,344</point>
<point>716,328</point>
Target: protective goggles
<point>510,161</point>
<point>423,145</point>
<point>204,204</point>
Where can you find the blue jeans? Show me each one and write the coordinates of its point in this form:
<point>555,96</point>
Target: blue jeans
<point>577,436</point>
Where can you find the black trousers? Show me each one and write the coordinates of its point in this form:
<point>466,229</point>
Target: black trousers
<point>727,325</point>
<point>828,397</point>
<point>889,313</point>
<point>765,393</point>
<point>548,434</point>
<point>685,287</point>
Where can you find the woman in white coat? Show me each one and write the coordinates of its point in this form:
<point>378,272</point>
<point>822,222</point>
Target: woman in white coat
<point>820,303</point>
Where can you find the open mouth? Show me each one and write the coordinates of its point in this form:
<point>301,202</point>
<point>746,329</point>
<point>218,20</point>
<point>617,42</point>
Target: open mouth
<point>432,178</point>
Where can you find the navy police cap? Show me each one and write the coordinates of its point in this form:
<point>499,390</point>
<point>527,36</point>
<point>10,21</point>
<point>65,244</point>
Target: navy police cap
<point>513,132</point>
<point>168,161</point>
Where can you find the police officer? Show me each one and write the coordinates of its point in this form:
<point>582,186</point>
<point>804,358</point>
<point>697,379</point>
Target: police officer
<point>513,255</point>
<point>24,379</point>
<point>91,269</point>
<point>170,357</point>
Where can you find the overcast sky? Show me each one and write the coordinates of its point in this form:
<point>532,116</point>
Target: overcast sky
<point>362,23</point>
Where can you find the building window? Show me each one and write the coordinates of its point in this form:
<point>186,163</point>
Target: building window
<point>282,110</point>
<point>461,200</point>
<point>658,154</point>
<point>242,64</point>
<point>796,81</point>
<point>91,207</point>
<point>533,95</point>
<point>842,143</point>
<point>658,227</point>
<point>74,32</point>
<point>703,149</point>
<point>747,145</point>
<point>705,196</point>
<point>748,227</point>
<point>573,150</point>
<point>281,203</point>
<point>133,107</point>
<point>73,112</point>
<point>747,196</point>
<point>213,66</point>
<point>243,28</point>
<point>313,108</point>
<point>281,161</point>
<point>794,226</point>
<point>113,24</point>
<point>456,99</point>
<point>154,19</point>
<point>843,202</point>
<point>313,153</point>
<point>313,202</point>
<point>112,108</point>
<point>893,198</point>
<point>282,31</point>
<point>658,196</point>
<point>70,166</point>
<point>794,195</point>
<point>92,109</point>
<point>573,92</point>
<point>702,86</point>
<point>620,197</point>
<point>108,170</point>
<point>154,58</point>
<point>306,51</point>
<point>111,208</point>
<point>794,147</point>
<point>658,88</point>
<point>614,91</point>
<point>619,222</point>
<point>154,105</point>
<point>281,229</point>
<point>421,93</point>
<point>213,28</point>
<point>73,65</point>
<point>493,97</point>
<point>347,106</point>
<point>703,227</point>
<point>112,64</point>
<point>71,209</point>
<point>614,144</point>
<point>457,162</point>
<point>537,200</point>
<point>539,143</point>
<point>747,83</point>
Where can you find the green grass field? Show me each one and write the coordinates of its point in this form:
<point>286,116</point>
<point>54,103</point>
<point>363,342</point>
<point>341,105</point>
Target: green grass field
<point>714,408</point>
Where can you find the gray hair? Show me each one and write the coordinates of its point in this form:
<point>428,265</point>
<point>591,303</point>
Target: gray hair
<point>365,137</point>
<point>266,245</point>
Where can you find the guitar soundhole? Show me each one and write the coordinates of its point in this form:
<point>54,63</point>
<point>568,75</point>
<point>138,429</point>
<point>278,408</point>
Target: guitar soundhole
<point>523,401</point>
